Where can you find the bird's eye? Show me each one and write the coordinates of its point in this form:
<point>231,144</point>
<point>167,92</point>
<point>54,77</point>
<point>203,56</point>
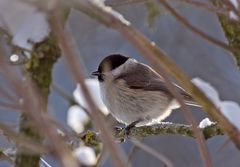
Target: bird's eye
<point>101,77</point>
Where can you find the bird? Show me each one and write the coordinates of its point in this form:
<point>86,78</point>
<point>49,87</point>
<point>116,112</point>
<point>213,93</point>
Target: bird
<point>134,93</point>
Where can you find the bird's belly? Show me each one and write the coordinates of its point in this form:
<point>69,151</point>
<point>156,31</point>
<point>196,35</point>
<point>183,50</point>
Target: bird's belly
<point>130,105</point>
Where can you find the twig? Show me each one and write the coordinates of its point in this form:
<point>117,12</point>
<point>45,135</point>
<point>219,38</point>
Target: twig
<point>9,105</point>
<point>231,30</point>
<point>131,153</point>
<point>7,95</point>
<point>231,7</point>
<point>34,111</point>
<point>195,29</point>
<point>204,5</point>
<point>24,141</point>
<point>152,152</point>
<point>198,4</point>
<point>189,117</point>
<point>124,2</point>
<point>67,97</point>
<point>45,163</point>
<point>70,57</point>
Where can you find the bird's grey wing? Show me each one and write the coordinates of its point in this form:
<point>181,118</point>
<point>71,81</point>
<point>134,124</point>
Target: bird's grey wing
<point>145,78</point>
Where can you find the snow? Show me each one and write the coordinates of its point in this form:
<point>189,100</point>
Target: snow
<point>208,90</point>
<point>93,87</point>
<point>34,29</point>
<point>60,132</point>
<point>24,22</point>
<point>77,118</point>
<point>108,9</point>
<point>205,123</point>
<point>233,15</point>
<point>85,155</point>
<point>230,109</point>
<point>14,58</point>
<point>235,3</point>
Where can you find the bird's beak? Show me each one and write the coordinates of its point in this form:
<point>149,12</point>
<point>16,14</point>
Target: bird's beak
<point>96,73</point>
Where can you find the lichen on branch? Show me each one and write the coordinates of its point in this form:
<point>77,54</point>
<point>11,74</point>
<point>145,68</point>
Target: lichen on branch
<point>91,138</point>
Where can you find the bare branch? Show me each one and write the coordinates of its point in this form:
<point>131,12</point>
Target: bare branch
<point>197,4</point>
<point>131,153</point>
<point>64,95</point>
<point>152,152</point>
<point>34,111</point>
<point>195,29</point>
<point>70,57</point>
<point>164,128</point>
<point>9,105</point>
<point>24,141</point>
<point>231,29</point>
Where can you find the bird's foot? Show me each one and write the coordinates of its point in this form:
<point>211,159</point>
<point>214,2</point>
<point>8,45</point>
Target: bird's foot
<point>125,131</point>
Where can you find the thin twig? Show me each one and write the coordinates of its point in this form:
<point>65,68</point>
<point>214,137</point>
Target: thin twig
<point>189,117</point>
<point>24,141</point>
<point>45,163</point>
<point>63,94</point>
<point>204,5</point>
<point>9,105</point>
<point>231,7</point>
<point>7,95</point>
<point>69,98</point>
<point>198,4</point>
<point>194,29</point>
<point>34,111</point>
<point>70,57</point>
<point>187,113</point>
<point>152,152</point>
<point>131,153</point>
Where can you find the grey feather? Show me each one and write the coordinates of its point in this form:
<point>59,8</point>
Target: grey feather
<point>147,79</point>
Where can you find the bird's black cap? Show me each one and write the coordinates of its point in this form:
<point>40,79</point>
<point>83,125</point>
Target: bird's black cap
<point>109,63</point>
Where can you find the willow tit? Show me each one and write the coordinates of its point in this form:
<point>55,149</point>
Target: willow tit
<point>134,92</point>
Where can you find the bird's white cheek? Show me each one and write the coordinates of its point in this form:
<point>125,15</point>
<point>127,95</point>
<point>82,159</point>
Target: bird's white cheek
<point>105,95</point>
<point>103,92</point>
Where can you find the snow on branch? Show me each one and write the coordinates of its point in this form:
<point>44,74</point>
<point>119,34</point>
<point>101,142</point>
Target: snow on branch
<point>230,109</point>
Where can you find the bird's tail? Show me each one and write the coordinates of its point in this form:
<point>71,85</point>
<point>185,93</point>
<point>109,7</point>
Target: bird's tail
<point>192,103</point>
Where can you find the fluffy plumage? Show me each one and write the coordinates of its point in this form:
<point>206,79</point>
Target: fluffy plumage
<point>132,90</point>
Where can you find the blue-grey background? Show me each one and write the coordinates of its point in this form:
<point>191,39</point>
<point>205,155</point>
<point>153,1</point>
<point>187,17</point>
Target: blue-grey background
<point>195,56</point>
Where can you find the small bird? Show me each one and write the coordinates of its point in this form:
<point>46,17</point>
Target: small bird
<point>134,93</point>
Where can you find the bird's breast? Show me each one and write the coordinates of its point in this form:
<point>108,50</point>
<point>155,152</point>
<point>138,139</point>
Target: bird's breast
<point>128,105</point>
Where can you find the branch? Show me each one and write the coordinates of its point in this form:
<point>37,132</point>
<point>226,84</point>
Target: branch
<point>153,152</point>
<point>194,29</point>
<point>8,38</point>
<point>232,31</point>
<point>197,4</point>
<point>70,55</point>
<point>164,128</point>
<point>24,141</point>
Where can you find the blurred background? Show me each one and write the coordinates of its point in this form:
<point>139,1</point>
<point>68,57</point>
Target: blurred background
<point>197,57</point>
